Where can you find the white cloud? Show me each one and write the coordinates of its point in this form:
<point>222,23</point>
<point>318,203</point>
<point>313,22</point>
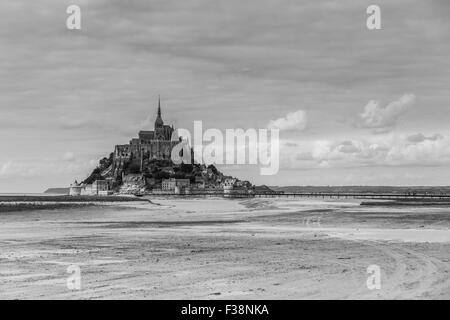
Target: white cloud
<point>420,137</point>
<point>421,153</point>
<point>45,167</point>
<point>291,144</point>
<point>392,150</point>
<point>348,147</point>
<point>292,121</point>
<point>383,119</point>
<point>304,156</point>
<point>68,156</point>
<point>11,168</point>
<point>73,122</point>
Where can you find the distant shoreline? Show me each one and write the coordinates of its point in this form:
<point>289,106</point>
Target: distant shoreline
<point>66,198</point>
<point>17,203</point>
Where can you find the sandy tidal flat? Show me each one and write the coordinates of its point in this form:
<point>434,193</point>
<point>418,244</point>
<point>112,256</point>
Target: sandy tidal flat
<point>230,249</point>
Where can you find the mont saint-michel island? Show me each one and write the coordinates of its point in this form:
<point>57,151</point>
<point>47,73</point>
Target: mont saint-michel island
<point>144,166</point>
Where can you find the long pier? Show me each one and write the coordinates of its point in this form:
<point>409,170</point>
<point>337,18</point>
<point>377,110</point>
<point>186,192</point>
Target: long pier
<point>373,196</point>
<point>329,195</point>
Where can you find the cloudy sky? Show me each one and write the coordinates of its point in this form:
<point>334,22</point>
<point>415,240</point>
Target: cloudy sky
<point>354,106</point>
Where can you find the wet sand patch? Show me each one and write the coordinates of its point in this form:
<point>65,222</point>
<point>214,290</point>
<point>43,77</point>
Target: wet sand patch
<point>155,224</point>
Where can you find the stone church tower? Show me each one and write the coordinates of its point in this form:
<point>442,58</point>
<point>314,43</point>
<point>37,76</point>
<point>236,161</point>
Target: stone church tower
<point>155,144</point>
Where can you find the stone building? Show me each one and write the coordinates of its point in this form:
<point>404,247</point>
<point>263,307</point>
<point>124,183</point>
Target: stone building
<point>75,189</point>
<point>168,184</point>
<point>155,144</point>
<point>98,187</point>
<point>172,183</point>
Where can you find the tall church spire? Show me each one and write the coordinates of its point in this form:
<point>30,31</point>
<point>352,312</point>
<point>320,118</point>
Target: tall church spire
<point>159,122</point>
<point>159,106</point>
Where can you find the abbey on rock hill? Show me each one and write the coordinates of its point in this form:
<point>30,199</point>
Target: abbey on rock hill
<point>145,166</point>
<point>155,144</point>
